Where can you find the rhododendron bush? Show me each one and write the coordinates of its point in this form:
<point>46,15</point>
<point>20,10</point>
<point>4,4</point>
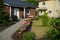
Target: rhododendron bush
<point>25,23</point>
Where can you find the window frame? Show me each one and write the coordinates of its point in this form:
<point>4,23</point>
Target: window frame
<point>50,12</point>
<point>43,3</point>
<point>27,11</point>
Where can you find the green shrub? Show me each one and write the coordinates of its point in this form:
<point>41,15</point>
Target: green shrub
<point>28,36</point>
<point>4,22</point>
<point>45,18</point>
<point>53,34</point>
<point>15,18</point>
<point>54,22</point>
<point>3,17</point>
<point>57,22</point>
<point>51,21</point>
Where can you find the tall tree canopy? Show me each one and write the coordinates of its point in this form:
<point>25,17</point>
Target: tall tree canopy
<point>32,1</point>
<point>1,4</point>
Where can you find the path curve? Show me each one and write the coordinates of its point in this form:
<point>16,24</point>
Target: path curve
<point>6,34</point>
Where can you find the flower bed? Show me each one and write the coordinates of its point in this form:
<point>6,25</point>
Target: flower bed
<point>25,25</point>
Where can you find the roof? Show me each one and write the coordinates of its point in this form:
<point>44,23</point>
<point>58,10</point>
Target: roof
<point>41,0</point>
<point>18,3</point>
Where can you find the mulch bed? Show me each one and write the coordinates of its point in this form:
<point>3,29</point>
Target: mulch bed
<point>17,35</point>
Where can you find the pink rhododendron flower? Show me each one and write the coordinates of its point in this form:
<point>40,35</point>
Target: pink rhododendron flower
<point>25,22</point>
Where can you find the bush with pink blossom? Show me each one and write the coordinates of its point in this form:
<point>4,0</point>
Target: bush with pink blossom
<point>25,23</point>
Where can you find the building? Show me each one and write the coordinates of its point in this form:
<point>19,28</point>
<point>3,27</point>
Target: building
<point>52,7</point>
<point>19,8</point>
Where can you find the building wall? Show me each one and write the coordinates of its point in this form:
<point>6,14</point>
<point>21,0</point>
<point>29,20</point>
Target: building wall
<point>51,5</point>
<point>6,9</point>
<point>21,11</point>
<point>32,12</point>
<point>57,9</point>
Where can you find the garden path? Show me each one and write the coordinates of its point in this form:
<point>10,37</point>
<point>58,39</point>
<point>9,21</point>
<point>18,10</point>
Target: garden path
<point>39,30</point>
<point>7,34</point>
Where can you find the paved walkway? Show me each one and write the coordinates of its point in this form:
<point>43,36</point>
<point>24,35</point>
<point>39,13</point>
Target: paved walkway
<point>6,34</point>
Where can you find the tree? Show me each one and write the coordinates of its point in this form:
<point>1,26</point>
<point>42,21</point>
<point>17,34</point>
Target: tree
<point>32,1</point>
<point>1,5</point>
<point>3,15</point>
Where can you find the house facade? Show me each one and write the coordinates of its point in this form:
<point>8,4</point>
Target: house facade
<point>19,8</point>
<point>52,7</point>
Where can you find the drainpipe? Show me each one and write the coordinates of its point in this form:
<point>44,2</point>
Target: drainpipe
<point>24,12</point>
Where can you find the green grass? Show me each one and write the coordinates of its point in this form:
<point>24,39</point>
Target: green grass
<point>39,29</point>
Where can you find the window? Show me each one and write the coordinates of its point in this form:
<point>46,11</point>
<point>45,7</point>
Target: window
<point>43,3</point>
<point>50,12</point>
<point>41,11</point>
<point>27,11</point>
<point>59,2</point>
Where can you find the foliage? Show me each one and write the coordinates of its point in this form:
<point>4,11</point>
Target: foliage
<point>1,4</point>
<point>28,36</point>
<point>53,34</point>
<point>51,21</point>
<point>25,23</point>
<point>32,1</point>
<point>4,23</point>
<point>3,15</point>
<point>57,22</point>
<point>54,21</point>
<point>15,18</point>
<point>1,7</point>
<point>45,18</point>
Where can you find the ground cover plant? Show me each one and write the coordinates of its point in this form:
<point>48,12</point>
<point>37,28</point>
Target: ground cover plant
<point>28,36</point>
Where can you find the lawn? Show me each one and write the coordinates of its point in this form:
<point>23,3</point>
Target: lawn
<point>39,29</point>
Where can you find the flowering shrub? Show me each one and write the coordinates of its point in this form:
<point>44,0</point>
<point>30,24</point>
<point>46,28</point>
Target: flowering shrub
<point>28,19</point>
<point>25,23</point>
